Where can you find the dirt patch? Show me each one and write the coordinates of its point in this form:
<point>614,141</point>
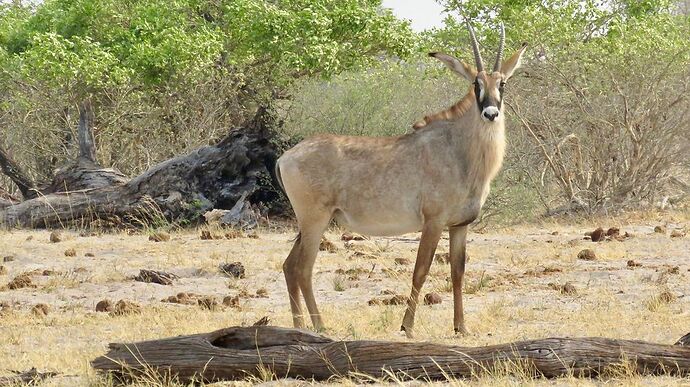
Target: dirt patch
<point>124,307</point>
<point>40,310</point>
<point>231,301</point>
<point>326,245</point>
<point>208,302</point>
<point>398,299</point>
<point>587,255</point>
<point>632,264</point>
<point>55,237</point>
<point>21,281</point>
<point>233,269</point>
<point>156,277</point>
<point>159,236</point>
<point>568,288</point>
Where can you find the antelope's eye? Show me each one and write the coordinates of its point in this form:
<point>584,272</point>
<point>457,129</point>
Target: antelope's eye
<point>502,84</point>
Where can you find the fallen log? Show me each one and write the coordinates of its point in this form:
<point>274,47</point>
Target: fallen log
<point>180,189</point>
<point>240,352</point>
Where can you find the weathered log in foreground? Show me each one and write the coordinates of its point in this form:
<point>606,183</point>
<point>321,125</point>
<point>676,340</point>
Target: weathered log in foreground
<point>179,189</point>
<point>238,352</point>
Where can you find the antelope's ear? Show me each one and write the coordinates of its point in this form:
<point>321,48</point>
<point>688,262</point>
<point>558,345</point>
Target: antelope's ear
<point>457,66</point>
<point>510,65</point>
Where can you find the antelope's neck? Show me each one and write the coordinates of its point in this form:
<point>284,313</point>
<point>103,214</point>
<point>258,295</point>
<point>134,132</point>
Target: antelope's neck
<point>483,147</point>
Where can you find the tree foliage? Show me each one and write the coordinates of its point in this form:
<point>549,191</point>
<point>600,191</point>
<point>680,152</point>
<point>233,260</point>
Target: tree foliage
<point>165,76</point>
<point>594,93</point>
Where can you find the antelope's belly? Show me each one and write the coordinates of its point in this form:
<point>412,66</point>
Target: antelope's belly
<point>379,223</point>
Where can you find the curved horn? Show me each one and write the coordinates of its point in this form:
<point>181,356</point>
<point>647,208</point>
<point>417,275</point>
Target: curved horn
<point>475,48</point>
<point>501,42</point>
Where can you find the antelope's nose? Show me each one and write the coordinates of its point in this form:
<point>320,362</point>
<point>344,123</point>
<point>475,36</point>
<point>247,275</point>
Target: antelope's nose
<point>490,113</point>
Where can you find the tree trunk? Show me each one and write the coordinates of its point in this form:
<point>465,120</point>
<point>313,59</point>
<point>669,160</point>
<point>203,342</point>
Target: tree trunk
<point>179,189</point>
<point>12,170</point>
<point>235,353</point>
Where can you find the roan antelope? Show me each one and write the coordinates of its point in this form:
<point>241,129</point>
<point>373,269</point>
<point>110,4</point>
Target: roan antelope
<point>433,178</point>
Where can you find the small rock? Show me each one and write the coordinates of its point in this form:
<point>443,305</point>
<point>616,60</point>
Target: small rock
<point>326,245</point>
<point>677,233</point>
<point>262,293</point>
<point>554,233</point>
<point>348,236</point>
<point>208,302</point>
<point>55,237</point>
<point>124,307</point>
<point>587,255</point>
<point>666,297</point>
<point>21,281</point>
<point>632,263</point>
<point>159,236</point>
<point>375,301</point>
<point>660,229</point>
<point>253,235</point>
<point>206,235</point>
<point>233,269</point>
<point>613,232</point>
<point>71,252</point>
<point>432,299</point>
<point>104,306</point>
<point>549,269</point>
<point>30,237</point>
<point>402,261</point>
<point>8,258</point>
<point>3,270</point>
<point>49,272</point>
<point>397,299</point>
<point>40,310</point>
<point>90,255</point>
<point>157,277</point>
<point>233,234</point>
<point>232,302</point>
<point>568,289</point>
<point>598,235</point>
<point>442,257</point>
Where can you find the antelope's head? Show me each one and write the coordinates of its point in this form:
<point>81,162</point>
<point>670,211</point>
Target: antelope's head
<point>488,87</point>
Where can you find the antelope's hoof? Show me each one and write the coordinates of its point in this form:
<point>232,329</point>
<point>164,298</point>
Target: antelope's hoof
<point>461,331</point>
<point>409,332</point>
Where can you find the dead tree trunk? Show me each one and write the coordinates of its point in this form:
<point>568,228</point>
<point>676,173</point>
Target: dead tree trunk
<point>238,352</point>
<point>181,188</point>
<point>12,170</point>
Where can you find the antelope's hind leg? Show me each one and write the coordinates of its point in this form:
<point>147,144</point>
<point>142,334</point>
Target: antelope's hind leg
<point>299,266</point>
<point>290,272</point>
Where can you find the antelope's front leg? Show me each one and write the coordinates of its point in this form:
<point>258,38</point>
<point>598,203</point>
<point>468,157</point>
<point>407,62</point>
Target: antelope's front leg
<point>431,233</point>
<point>458,257</point>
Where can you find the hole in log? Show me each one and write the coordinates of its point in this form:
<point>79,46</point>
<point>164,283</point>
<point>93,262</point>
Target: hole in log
<point>235,340</point>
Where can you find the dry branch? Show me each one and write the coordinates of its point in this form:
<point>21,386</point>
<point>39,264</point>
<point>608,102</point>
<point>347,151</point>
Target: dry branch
<point>238,352</point>
<point>29,377</point>
<point>10,168</point>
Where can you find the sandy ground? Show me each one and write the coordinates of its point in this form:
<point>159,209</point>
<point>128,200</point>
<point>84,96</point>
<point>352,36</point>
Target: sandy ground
<point>512,291</point>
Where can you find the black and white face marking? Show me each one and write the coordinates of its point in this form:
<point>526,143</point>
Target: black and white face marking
<point>489,98</point>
